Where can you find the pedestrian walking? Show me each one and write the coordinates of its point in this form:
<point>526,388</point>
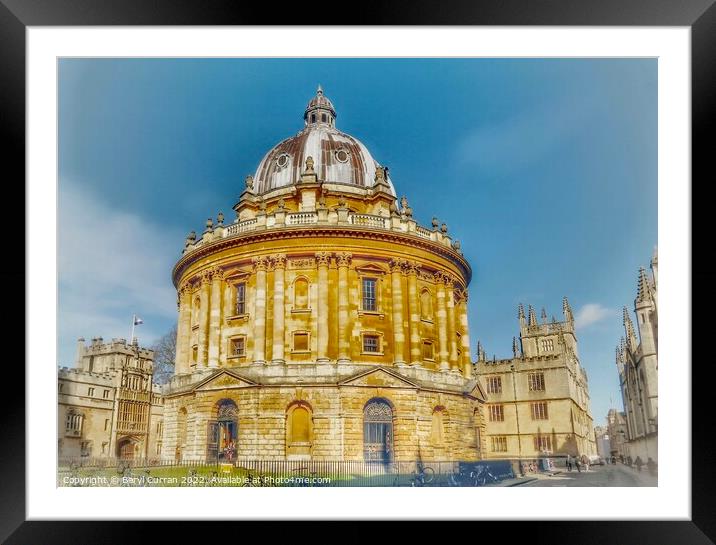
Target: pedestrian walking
<point>638,463</point>
<point>585,461</point>
<point>569,463</point>
<point>578,464</point>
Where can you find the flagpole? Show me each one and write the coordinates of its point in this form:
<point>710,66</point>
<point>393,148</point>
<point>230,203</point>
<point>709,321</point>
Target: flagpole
<point>131,336</point>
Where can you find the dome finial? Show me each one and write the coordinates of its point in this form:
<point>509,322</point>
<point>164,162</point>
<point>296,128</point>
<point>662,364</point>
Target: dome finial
<point>319,91</point>
<point>320,110</point>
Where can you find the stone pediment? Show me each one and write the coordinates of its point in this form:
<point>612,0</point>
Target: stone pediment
<point>235,272</point>
<point>223,380</point>
<point>477,391</point>
<point>379,377</point>
<point>370,268</point>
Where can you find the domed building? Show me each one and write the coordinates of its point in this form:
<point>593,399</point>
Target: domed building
<point>323,322</point>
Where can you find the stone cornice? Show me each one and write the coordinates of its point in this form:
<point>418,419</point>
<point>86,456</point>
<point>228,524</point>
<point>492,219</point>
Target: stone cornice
<point>318,232</point>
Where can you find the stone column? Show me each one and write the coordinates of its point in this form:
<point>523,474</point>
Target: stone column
<point>452,331</point>
<point>322,258</point>
<point>260,310</point>
<point>344,344</point>
<point>396,273</point>
<point>462,313</point>
<point>217,280</point>
<point>204,304</point>
<point>414,310</point>
<point>183,349</point>
<point>279,312</point>
<point>441,315</point>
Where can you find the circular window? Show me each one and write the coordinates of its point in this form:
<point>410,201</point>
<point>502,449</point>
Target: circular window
<point>282,160</point>
<point>342,155</point>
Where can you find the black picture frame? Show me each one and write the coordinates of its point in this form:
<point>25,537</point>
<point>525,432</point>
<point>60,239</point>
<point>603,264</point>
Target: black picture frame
<point>699,15</point>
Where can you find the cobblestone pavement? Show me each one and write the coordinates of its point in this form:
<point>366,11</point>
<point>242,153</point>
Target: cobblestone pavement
<point>606,475</point>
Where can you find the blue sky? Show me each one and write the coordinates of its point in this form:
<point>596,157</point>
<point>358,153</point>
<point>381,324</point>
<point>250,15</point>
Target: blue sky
<point>544,169</point>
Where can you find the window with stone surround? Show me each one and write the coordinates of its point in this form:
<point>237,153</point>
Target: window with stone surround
<point>73,423</point>
<point>494,385</point>
<point>105,394</point>
<point>237,347</point>
<point>543,443</point>
<point>240,291</point>
<point>499,443</point>
<point>370,302</point>
<point>194,354</point>
<point>429,350</point>
<point>536,382</point>
<point>539,411</point>
<point>301,341</point>
<point>371,343</point>
<point>90,392</point>
<point>547,345</point>
<point>497,413</point>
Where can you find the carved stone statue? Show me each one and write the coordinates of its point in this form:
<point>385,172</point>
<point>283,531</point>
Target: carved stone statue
<point>309,164</point>
<point>249,183</point>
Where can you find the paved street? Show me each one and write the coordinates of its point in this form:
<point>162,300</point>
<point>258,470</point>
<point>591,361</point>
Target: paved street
<point>606,475</point>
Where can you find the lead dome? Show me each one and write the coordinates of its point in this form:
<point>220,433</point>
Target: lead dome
<point>339,158</point>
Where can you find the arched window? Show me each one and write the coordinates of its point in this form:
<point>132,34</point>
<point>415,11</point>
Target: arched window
<point>378,431</point>
<point>300,293</point>
<point>426,305</point>
<point>223,432</point>
<point>299,430</point>
<point>437,430</point>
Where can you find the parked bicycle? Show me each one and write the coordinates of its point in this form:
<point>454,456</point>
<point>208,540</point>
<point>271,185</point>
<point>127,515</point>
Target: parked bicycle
<point>422,475</point>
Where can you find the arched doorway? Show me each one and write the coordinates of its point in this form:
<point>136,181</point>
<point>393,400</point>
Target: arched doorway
<point>378,431</point>
<point>127,448</point>
<point>223,432</point>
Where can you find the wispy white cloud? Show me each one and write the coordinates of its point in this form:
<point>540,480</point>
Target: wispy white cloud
<point>591,313</point>
<point>526,137</point>
<point>111,264</point>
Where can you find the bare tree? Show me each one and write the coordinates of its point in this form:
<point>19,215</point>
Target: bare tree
<point>165,356</point>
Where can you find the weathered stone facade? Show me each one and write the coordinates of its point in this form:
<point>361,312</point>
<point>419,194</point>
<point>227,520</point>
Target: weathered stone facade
<point>538,400</point>
<point>637,363</point>
<point>107,404</point>
<point>324,322</point>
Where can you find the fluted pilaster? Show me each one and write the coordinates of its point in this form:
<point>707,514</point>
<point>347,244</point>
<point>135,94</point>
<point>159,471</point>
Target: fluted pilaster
<point>204,304</point>
<point>451,323</point>
<point>441,315</point>
<point>279,311</point>
<point>414,310</point>
<point>322,260</point>
<point>260,310</point>
<point>396,274</point>
<point>462,314</point>
<point>183,350</point>
<point>343,260</point>
<point>217,280</point>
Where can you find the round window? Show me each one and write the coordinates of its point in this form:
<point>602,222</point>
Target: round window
<point>342,155</point>
<point>282,160</point>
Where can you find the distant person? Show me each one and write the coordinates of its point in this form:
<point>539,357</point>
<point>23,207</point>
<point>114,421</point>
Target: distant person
<point>651,466</point>
<point>638,463</point>
<point>629,462</point>
<point>578,464</point>
<point>569,463</point>
<point>585,461</point>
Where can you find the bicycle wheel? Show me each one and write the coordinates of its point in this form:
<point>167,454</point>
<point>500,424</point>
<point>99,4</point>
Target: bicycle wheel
<point>428,475</point>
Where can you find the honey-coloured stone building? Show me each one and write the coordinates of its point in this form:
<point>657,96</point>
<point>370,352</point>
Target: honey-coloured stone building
<point>323,322</point>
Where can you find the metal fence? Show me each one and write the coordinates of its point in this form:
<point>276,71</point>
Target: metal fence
<point>252,472</point>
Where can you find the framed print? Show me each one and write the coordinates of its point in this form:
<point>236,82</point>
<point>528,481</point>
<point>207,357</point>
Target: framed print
<point>423,257</point>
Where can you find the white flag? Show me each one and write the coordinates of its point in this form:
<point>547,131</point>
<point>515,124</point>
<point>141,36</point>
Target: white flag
<point>138,320</point>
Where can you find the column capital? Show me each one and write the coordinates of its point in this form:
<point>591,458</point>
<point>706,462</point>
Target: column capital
<point>323,258</point>
<point>396,265</point>
<point>344,259</point>
<point>185,290</point>
<point>411,268</point>
<point>205,277</point>
<point>217,273</point>
<point>259,262</point>
<point>278,261</point>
